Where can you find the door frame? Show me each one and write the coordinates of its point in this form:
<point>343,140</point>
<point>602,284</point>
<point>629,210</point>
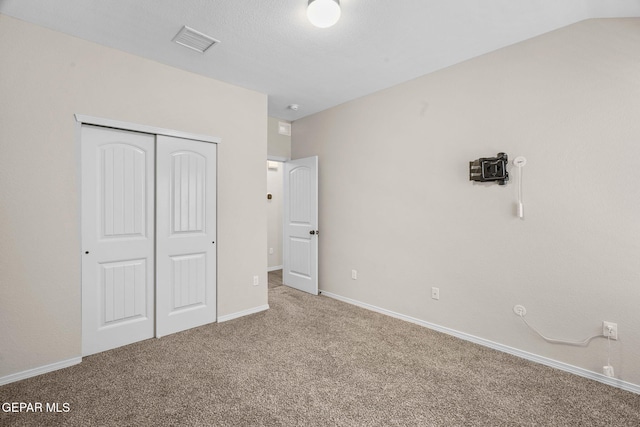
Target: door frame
<point>117,124</point>
<point>282,161</point>
<point>83,119</point>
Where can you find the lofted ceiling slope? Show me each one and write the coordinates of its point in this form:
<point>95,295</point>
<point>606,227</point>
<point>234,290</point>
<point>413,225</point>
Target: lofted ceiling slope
<point>269,46</point>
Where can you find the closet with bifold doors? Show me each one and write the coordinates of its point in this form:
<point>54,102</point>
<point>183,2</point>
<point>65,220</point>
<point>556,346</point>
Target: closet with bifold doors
<point>148,229</point>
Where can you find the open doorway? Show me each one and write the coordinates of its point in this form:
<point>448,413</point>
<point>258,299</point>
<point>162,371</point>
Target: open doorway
<point>292,224</point>
<point>274,222</point>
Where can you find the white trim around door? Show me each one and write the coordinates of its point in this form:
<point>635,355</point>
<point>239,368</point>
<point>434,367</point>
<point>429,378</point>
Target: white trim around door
<point>117,124</point>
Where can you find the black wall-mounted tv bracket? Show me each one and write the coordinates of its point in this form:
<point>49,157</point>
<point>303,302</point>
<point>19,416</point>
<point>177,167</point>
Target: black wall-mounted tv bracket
<point>487,169</point>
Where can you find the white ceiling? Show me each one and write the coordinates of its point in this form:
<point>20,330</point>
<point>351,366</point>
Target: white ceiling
<point>269,46</point>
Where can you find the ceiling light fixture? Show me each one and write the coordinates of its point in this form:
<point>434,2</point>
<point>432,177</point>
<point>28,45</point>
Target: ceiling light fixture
<point>323,13</point>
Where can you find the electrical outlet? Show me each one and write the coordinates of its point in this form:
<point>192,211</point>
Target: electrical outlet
<point>270,251</point>
<point>608,371</point>
<point>610,330</point>
<point>256,280</point>
<point>435,293</point>
<point>354,274</point>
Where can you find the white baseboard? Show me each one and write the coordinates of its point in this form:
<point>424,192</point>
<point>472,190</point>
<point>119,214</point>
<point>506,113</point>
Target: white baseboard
<point>39,370</point>
<point>634,388</point>
<point>242,313</point>
<point>277,267</point>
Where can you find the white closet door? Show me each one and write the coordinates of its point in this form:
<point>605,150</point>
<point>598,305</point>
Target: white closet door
<point>186,234</point>
<point>117,238</point>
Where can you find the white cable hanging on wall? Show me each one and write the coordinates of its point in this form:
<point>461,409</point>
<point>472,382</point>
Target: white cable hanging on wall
<point>519,310</point>
<point>519,162</point>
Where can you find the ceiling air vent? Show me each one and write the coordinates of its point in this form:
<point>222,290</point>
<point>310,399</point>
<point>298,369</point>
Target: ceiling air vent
<point>188,37</point>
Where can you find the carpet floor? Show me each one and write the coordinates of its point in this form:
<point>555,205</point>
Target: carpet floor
<point>314,361</point>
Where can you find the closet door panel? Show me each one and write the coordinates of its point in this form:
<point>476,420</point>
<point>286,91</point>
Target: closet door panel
<point>186,234</point>
<point>117,237</point>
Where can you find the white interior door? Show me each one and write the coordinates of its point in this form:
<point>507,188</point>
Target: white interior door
<point>300,215</point>
<point>117,238</point>
<point>185,234</point>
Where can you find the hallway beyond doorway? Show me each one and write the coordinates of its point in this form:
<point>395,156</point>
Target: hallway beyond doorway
<point>275,279</point>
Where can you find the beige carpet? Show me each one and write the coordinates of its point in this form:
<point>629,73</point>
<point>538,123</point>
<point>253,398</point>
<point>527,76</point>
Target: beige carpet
<point>314,361</point>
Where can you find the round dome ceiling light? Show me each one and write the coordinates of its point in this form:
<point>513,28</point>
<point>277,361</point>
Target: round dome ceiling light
<point>323,13</point>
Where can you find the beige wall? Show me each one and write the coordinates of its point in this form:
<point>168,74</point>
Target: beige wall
<point>279,146</point>
<point>46,77</point>
<point>397,205</point>
<point>274,216</point>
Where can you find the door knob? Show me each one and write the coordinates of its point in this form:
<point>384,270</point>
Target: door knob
<point>314,232</point>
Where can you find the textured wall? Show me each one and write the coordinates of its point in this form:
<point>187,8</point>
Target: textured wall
<point>46,77</point>
<point>396,203</point>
